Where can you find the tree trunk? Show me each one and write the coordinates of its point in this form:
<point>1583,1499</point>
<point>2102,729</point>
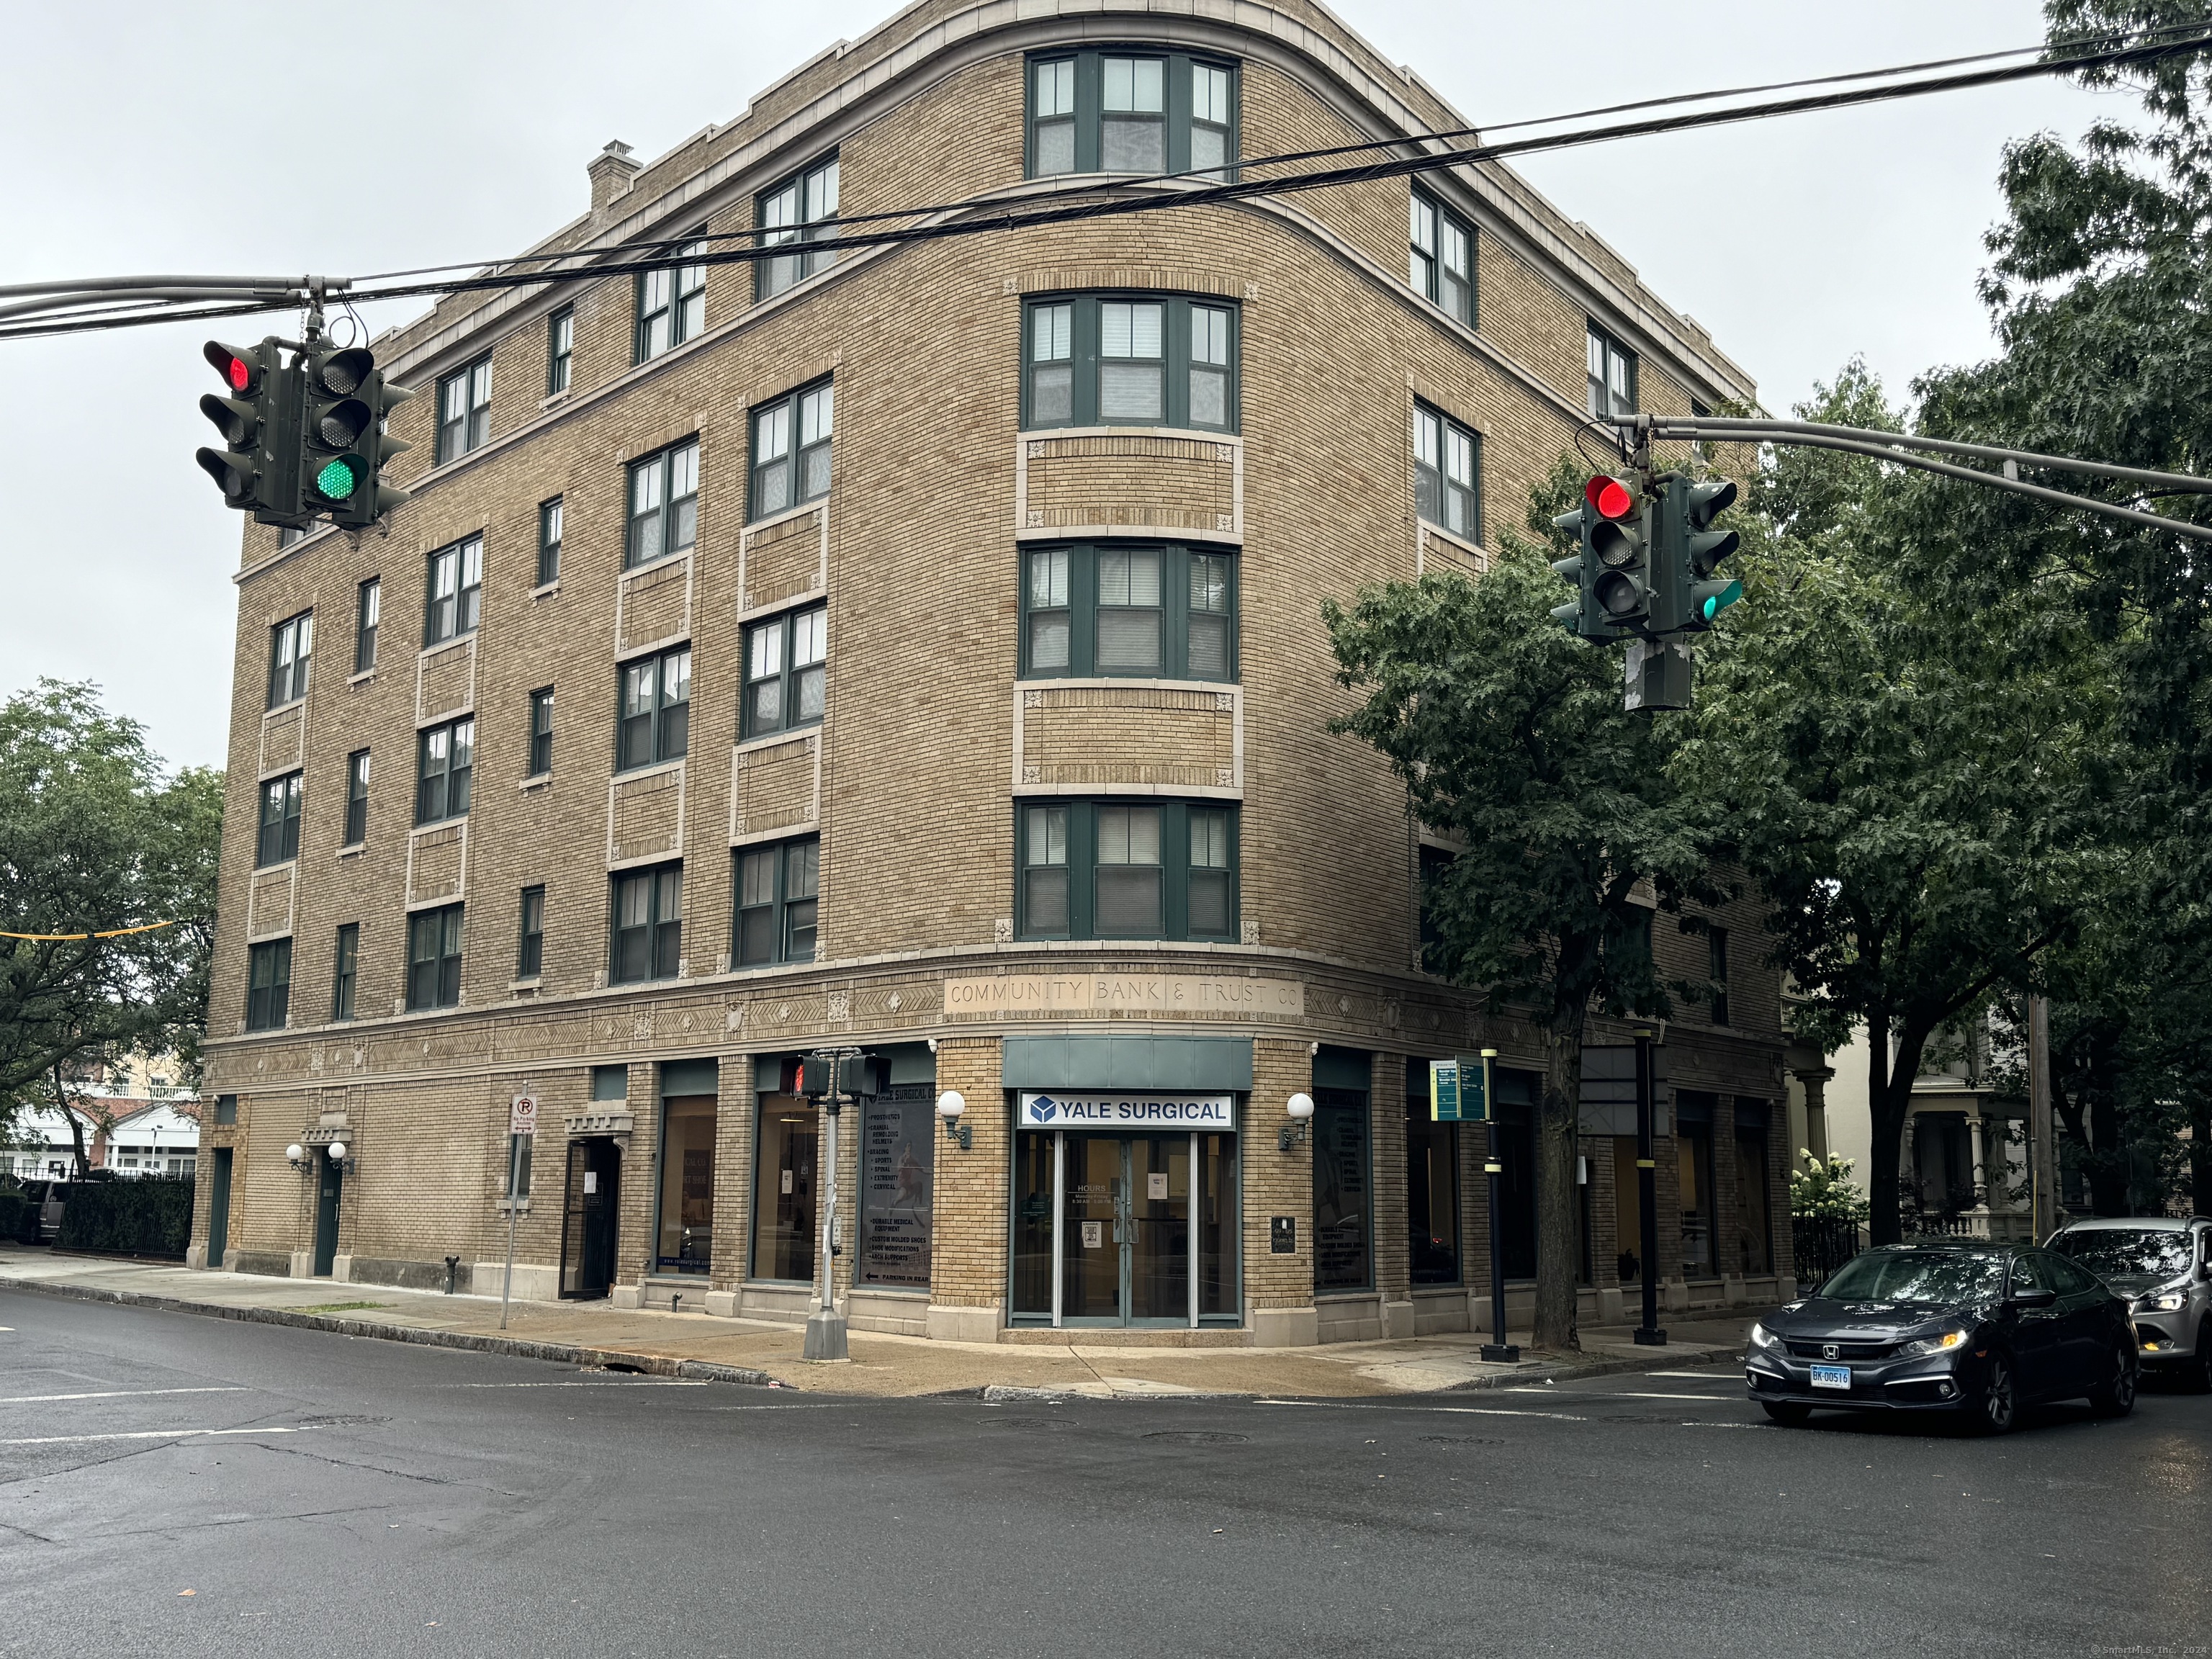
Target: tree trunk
<point>75,1124</point>
<point>2108,1157</point>
<point>1889,1102</point>
<point>1558,1231</point>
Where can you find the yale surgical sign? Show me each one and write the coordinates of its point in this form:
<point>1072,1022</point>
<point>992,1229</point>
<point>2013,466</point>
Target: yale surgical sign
<point>1127,1110</point>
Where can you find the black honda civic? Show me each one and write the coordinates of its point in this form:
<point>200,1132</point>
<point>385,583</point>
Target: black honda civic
<point>1959,1326</point>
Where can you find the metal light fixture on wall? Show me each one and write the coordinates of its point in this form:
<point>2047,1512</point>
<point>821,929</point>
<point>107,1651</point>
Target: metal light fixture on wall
<point>297,1155</point>
<point>1299,1109</point>
<point>949,1105</point>
<point>341,1155</point>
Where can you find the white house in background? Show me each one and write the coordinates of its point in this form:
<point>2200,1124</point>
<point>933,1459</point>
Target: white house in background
<point>137,1120</point>
<point>160,1139</point>
<point>44,1149</point>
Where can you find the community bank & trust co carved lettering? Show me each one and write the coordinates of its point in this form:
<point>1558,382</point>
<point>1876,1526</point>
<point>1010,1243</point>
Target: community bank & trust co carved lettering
<point>1223,995</point>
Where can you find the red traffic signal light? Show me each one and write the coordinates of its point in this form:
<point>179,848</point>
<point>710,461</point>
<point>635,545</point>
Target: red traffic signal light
<point>1610,497</point>
<point>239,372</point>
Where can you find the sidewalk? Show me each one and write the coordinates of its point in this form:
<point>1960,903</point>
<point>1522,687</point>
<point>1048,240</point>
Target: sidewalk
<point>748,1350</point>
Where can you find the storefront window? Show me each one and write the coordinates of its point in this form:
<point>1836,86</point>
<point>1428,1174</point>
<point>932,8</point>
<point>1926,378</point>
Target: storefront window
<point>1432,1185</point>
<point>783,1196</point>
<point>1754,1235</point>
<point>1343,1191</point>
<point>898,1148</point>
<point>1033,1155</point>
<point>1693,1161</point>
<point>687,1184</point>
<point>1628,1212</point>
<point>1218,1213</point>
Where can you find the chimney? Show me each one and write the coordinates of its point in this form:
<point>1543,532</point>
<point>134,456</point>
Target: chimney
<point>612,171</point>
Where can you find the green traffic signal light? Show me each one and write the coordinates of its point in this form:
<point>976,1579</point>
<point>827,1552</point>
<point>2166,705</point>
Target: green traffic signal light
<point>339,477</point>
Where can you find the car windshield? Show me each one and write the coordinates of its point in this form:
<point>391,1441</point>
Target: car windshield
<point>1934,1278</point>
<point>2160,1251</point>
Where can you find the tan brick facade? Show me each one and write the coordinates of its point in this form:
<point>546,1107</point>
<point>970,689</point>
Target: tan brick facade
<point>932,738</point>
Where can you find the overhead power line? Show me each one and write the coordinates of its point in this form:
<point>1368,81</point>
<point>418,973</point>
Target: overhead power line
<point>987,215</point>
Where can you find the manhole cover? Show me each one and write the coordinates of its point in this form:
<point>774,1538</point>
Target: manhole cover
<point>1199,1437</point>
<point>1048,1424</point>
<point>341,1422</point>
<point>1460,1440</point>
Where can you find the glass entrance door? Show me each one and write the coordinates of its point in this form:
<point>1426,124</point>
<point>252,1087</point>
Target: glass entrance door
<point>1104,1232</point>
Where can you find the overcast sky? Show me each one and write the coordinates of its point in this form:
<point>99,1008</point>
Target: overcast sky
<point>133,130</point>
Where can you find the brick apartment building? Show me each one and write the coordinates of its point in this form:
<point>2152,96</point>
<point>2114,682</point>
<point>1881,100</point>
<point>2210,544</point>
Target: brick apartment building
<point>918,649</point>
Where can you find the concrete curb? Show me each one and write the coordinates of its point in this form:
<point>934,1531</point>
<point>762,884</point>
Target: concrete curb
<point>558,1353</point>
<point>1028,1394</point>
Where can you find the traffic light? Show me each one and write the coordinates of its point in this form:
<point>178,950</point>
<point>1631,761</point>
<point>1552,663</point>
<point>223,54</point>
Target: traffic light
<point>342,431</point>
<point>1690,551</point>
<point>258,468</point>
<point>1611,568</point>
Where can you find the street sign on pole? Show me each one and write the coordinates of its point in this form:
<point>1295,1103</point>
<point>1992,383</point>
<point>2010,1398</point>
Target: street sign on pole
<point>1498,1350</point>
<point>521,1126</point>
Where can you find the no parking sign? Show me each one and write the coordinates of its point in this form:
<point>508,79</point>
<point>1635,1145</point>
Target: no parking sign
<point>522,1115</point>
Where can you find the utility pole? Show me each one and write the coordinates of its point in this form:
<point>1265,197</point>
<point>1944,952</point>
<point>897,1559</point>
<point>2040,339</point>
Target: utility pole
<point>829,1075</point>
<point>2042,1148</point>
<point>1498,1350</point>
<point>1648,1333</point>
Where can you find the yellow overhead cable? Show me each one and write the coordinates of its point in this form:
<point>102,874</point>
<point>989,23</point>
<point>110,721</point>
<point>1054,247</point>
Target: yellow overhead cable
<point>112,933</point>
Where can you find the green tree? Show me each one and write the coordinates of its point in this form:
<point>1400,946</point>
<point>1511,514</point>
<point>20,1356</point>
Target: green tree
<point>94,837</point>
<point>1917,792</point>
<point>1509,736</point>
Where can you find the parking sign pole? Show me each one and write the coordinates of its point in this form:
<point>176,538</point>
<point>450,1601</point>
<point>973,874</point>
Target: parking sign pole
<point>1647,1195</point>
<point>513,1175</point>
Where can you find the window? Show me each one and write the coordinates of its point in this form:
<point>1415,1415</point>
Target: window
<point>530,953</point>
<point>1718,970</point>
<point>785,671</point>
<point>791,449</point>
<point>1693,1162</point>
<point>1105,360</point>
<point>1112,869</point>
<point>549,542</point>
<point>356,798</point>
<point>541,731</point>
<point>898,1155</point>
<point>1124,112</point>
<point>1342,1170</point>
<point>464,409</point>
<point>649,930</point>
<point>1447,473</point>
<point>686,1219</point>
<point>655,723</point>
<point>288,534</point>
<point>560,349</point>
<point>434,958</point>
<point>784,1194</point>
<point>368,605</point>
<point>663,504</point>
<point>1168,612</point>
<point>672,302</point>
<point>1442,259</point>
<point>453,603</point>
<point>1612,375</point>
<point>1432,1185</point>
<point>1753,1227</point>
<point>226,1111</point>
<point>800,213</point>
<point>269,986</point>
<point>291,644</point>
<point>778,893</point>
<point>448,763</point>
<point>346,971</point>
<point>278,841</point>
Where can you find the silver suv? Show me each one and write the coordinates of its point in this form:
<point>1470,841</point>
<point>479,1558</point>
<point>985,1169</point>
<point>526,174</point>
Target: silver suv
<point>2163,1267</point>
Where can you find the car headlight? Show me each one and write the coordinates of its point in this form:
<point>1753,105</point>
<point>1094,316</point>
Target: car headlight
<point>2166,1301</point>
<point>1763,1338</point>
<point>1942,1342</point>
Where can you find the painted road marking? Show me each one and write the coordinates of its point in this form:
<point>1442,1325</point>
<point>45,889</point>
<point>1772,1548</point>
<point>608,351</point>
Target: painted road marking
<point>112,1394</point>
<point>1693,1377</point>
<point>144,1434</point>
<point>1621,1394</point>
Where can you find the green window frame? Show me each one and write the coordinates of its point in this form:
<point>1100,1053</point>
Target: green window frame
<point>646,928</point>
<point>1150,610</point>
<point>664,505</point>
<point>278,839</point>
<point>549,542</point>
<point>1127,867</point>
<point>560,349</point>
<point>1611,378</point>
<point>345,971</point>
<point>1448,473</point>
<point>791,438</point>
<point>453,591</point>
<point>368,609</point>
<point>672,302</point>
<point>1131,109</point>
<point>529,947</point>
<point>356,798</point>
<point>291,652</point>
<point>1140,359</point>
<point>786,673</point>
<point>1441,264</point>
<point>464,409</point>
<point>445,758</point>
<point>541,731</point>
<point>652,722</point>
<point>434,958</point>
<point>269,985</point>
<point>779,902</point>
<point>798,212</point>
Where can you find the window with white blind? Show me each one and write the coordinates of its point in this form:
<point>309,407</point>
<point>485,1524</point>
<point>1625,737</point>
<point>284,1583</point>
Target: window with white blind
<point>1123,869</point>
<point>1157,610</point>
<point>663,504</point>
<point>800,213</point>
<point>786,671</point>
<point>1125,110</point>
<point>1447,472</point>
<point>791,444</point>
<point>672,302</point>
<point>1132,360</point>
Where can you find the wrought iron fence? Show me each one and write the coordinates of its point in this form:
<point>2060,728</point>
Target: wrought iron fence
<point>1821,1244</point>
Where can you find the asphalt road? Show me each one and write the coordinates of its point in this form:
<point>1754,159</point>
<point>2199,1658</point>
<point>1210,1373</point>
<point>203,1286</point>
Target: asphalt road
<point>175,1485</point>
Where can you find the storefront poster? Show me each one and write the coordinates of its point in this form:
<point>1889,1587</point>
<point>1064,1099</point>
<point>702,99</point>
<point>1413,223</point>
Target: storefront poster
<point>897,1166</point>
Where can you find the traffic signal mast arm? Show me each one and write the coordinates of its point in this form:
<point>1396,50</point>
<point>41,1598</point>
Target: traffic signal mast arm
<point>1893,447</point>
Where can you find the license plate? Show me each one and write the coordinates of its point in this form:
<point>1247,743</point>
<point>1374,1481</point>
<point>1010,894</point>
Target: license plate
<point>1831,1376</point>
